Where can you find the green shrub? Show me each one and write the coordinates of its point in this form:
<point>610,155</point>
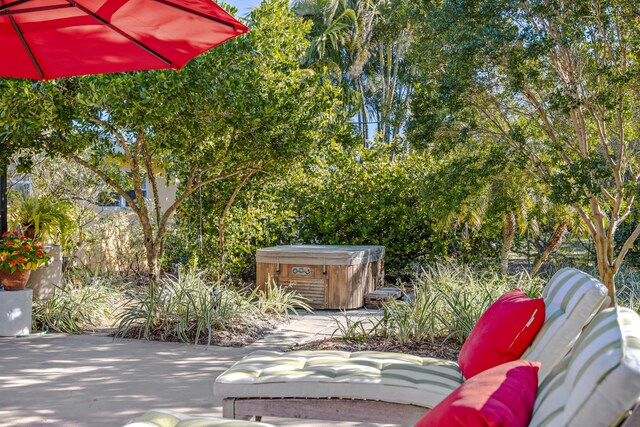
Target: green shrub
<point>628,288</point>
<point>445,300</point>
<point>340,196</point>
<point>75,308</point>
<point>278,300</point>
<point>189,309</point>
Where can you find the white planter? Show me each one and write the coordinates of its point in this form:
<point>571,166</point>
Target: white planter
<point>15,313</point>
<point>44,280</point>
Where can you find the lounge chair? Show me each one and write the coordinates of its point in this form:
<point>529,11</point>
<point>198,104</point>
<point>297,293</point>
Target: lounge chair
<point>390,387</point>
<point>167,418</point>
<point>596,384</point>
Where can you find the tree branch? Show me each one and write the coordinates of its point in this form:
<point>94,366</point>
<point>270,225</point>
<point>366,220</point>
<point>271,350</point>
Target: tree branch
<point>628,244</point>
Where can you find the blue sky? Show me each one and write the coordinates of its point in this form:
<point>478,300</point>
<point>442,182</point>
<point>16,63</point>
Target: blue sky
<point>244,6</point>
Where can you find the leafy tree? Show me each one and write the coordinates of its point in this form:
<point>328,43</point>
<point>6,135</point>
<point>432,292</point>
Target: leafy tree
<point>241,109</point>
<point>363,44</point>
<point>361,197</point>
<point>554,81</point>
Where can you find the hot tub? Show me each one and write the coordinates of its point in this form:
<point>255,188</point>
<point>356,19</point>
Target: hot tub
<point>329,277</point>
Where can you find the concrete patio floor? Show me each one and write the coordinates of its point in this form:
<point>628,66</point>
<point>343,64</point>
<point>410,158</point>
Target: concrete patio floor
<point>87,380</point>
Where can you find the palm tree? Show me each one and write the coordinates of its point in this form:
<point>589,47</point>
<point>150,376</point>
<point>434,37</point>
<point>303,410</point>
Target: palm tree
<point>362,44</point>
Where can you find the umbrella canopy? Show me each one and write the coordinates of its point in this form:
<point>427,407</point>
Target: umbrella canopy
<point>47,39</point>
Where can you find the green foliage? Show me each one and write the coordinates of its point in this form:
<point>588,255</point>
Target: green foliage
<point>462,294</point>
<point>278,300</point>
<point>260,217</point>
<point>362,46</point>
<point>415,206</point>
<point>444,300</point>
<point>625,230</point>
<point>362,197</point>
<point>352,328</point>
<point>628,288</point>
<point>186,309</point>
<point>74,308</point>
<point>43,218</point>
<point>413,321</point>
<point>555,84</point>
<point>189,309</point>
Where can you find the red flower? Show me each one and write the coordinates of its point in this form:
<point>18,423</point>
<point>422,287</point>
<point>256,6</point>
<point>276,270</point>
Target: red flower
<point>24,238</point>
<point>40,254</point>
<point>3,257</point>
<point>20,260</point>
<point>9,243</point>
<point>26,248</point>
<point>5,234</point>
<point>14,262</point>
<point>15,233</point>
<point>38,245</point>
<point>17,252</point>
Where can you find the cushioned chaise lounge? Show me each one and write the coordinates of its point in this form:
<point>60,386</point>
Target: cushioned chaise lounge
<point>166,418</point>
<point>598,383</point>
<point>390,387</point>
<point>595,385</point>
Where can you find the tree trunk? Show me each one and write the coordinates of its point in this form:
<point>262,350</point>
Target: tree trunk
<point>509,234</point>
<point>152,264</point>
<point>152,248</point>
<point>552,246</point>
<point>365,116</point>
<point>606,269</point>
<point>609,281</point>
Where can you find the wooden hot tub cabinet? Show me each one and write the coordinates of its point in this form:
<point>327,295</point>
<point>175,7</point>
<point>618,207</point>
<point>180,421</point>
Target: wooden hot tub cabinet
<point>329,277</point>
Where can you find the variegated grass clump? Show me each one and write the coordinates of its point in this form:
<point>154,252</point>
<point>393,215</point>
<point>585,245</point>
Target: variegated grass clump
<point>192,308</point>
<point>73,308</point>
<point>443,300</point>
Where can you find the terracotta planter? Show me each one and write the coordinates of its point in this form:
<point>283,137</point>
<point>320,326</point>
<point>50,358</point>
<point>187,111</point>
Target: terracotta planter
<point>14,281</point>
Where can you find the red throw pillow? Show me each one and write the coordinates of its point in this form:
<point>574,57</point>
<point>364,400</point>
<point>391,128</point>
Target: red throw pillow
<point>502,333</point>
<point>502,396</point>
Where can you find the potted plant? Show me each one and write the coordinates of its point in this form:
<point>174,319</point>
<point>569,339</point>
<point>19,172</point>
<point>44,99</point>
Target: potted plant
<point>46,219</point>
<point>19,255</point>
<point>42,217</point>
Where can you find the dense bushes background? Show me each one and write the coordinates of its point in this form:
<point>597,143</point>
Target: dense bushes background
<point>344,196</point>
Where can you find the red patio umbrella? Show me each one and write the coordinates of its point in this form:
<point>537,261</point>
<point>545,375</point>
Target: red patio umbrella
<point>47,39</point>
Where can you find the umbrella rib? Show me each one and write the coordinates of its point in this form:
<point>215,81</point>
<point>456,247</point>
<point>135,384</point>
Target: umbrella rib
<point>195,12</point>
<point>26,46</point>
<point>4,12</point>
<point>15,3</point>
<point>121,32</point>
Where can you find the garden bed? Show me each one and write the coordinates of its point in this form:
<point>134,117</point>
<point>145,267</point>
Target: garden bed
<point>238,336</point>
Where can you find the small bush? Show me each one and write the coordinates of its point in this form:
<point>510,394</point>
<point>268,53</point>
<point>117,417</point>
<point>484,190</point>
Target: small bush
<point>628,288</point>
<point>278,300</point>
<point>75,308</point>
<point>192,309</point>
<point>446,300</point>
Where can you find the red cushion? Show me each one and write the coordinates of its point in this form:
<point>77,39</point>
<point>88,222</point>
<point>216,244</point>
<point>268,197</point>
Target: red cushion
<point>500,396</point>
<point>502,333</point>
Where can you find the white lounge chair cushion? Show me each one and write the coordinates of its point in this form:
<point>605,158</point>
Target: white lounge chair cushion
<point>390,377</point>
<point>599,380</point>
<point>167,418</point>
<point>572,298</point>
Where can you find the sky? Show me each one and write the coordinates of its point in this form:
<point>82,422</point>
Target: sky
<point>244,6</point>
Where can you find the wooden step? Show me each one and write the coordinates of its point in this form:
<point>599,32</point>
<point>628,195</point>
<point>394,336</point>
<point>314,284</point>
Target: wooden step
<point>376,298</point>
